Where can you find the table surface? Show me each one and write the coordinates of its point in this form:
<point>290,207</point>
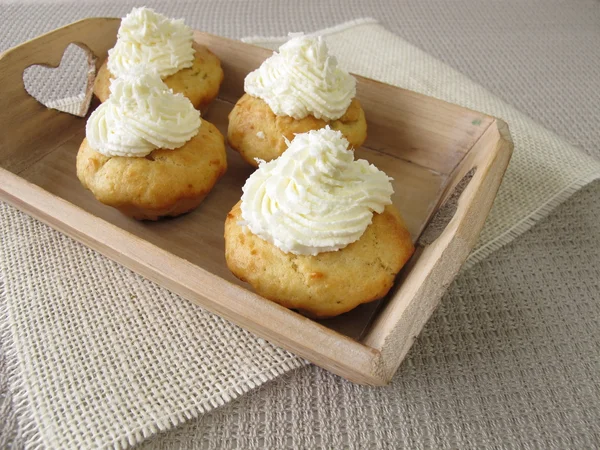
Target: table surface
<point>540,56</point>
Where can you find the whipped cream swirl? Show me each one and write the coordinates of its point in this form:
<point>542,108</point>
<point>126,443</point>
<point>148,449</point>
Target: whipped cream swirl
<point>146,37</point>
<point>315,197</point>
<point>141,115</point>
<point>303,79</point>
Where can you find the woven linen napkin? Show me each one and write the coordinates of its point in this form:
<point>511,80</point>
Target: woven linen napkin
<point>99,356</point>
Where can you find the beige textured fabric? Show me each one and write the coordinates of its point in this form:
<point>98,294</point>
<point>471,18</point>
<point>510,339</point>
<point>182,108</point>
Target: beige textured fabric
<point>140,391</point>
<point>106,357</point>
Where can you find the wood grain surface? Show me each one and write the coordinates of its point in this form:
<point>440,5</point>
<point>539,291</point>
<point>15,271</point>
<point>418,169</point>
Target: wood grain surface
<point>425,144</point>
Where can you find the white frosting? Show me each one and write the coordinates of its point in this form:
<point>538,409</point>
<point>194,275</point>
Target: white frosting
<point>141,115</point>
<point>146,37</point>
<point>303,79</point>
<point>315,197</point>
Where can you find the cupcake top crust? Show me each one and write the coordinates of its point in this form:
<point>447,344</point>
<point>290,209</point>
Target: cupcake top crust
<point>303,79</point>
<point>148,38</point>
<point>315,197</point>
<point>141,115</point>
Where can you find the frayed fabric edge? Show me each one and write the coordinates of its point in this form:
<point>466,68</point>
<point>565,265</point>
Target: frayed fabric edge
<point>325,32</point>
<point>26,426</point>
<point>161,425</point>
<point>529,221</point>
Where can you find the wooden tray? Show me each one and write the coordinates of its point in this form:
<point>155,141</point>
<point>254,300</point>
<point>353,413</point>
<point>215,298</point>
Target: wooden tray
<point>425,144</point>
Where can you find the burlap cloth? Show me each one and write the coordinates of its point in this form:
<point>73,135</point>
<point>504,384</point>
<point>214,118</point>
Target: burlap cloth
<point>96,356</point>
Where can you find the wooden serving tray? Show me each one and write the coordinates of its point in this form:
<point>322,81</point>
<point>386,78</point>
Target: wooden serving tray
<point>425,144</point>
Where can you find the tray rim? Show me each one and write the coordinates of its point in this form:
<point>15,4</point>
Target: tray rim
<point>373,362</point>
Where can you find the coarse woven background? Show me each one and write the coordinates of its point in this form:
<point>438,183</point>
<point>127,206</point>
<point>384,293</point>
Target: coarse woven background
<point>470,379</point>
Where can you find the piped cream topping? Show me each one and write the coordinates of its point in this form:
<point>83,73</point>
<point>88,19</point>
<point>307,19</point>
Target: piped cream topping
<point>148,38</point>
<point>303,79</point>
<point>141,115</point>
<point>315,197</point>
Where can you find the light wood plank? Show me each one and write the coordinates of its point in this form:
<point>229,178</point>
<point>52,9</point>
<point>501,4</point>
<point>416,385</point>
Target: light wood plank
<point>425,144</point>
<point>29,129</point>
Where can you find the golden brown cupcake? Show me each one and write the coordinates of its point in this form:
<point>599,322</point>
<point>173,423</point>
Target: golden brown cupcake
<point>299,89</point>
<point>315,230</point>
<point>166,46</point>
<point>147,153</point>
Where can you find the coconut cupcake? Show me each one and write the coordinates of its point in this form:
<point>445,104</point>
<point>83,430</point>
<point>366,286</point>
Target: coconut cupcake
<point>299,89</point>
<point>316,230</point>
<point>166,46</point>
<point>147,152</point>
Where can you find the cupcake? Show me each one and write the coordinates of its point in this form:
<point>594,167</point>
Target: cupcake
<point>166,46</point>
<point>299,89</point>
<point>147,152</point>
<point>315,230</point>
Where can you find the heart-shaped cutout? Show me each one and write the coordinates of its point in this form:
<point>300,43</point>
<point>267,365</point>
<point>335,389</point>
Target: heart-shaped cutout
<point>68,87</point>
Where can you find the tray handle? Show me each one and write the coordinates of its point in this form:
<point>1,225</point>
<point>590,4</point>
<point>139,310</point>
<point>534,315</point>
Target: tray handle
<point>403,318</point>
<point>23,120</point>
